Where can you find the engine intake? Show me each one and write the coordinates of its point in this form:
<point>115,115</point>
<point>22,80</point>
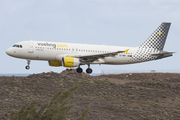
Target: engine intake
<point>70,62</point>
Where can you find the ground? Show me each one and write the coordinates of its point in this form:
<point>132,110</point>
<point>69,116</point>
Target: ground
<point>137,96</point>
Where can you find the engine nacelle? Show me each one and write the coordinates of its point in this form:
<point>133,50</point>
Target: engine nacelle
<point>54,64</point>
<point>70,62</point>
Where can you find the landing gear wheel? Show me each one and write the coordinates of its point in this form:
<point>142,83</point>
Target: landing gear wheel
<point>28,62</point>
<point>89,70</point>
<point>79,70</point>
<point>27,67</point>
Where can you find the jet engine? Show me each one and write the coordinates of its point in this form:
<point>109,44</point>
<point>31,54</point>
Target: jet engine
<point>70,62</point>
<point>54,64</point>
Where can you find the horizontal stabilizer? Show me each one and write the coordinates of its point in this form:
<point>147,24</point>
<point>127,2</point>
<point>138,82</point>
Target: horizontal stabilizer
<point>162,53</point>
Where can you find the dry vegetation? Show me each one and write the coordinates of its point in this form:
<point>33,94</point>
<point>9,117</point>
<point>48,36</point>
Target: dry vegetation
<point>110,97</point>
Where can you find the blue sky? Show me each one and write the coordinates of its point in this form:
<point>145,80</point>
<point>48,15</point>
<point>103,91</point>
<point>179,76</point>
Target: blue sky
<point>109,22</point>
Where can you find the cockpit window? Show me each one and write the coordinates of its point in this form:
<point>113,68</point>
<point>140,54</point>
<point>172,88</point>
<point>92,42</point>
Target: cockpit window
<point>19,46</point>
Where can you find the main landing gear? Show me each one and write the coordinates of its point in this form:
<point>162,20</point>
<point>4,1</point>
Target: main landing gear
<point>88,70</point>
<point>79,70</point>
<point>28,62</point>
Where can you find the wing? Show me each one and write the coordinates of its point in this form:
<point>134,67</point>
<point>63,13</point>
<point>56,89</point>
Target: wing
<point>94,57</point>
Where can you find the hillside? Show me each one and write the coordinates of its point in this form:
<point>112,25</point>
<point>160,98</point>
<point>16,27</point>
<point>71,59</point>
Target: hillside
<point>111,97</point>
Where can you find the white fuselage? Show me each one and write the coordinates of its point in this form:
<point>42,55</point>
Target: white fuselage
<point>54,51</point>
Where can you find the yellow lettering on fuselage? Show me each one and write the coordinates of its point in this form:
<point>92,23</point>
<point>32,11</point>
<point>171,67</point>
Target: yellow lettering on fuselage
<point>61,45</point>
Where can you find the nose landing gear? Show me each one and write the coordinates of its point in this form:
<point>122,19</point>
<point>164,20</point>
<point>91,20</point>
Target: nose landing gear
<point>28,62</point>
<point>27,67</point>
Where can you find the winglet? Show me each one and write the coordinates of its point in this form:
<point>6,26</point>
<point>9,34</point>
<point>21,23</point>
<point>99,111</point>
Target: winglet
<point>126,51</point>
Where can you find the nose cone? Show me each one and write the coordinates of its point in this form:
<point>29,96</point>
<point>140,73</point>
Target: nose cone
<point>8,52</point>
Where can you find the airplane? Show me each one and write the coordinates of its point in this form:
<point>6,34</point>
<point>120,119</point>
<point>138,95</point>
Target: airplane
<point>74,55</point>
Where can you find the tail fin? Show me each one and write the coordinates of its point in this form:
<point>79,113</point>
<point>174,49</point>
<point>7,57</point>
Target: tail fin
<point>158,38</point>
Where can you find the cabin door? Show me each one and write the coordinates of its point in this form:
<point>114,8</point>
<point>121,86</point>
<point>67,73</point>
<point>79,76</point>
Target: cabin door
<point>30,47</point>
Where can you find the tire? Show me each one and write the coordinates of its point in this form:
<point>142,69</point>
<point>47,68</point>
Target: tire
<point>27,67</point>
<point>79,70</point>
<point>89,70</point>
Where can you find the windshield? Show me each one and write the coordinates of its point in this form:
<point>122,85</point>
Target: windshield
<point>19,46</point>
